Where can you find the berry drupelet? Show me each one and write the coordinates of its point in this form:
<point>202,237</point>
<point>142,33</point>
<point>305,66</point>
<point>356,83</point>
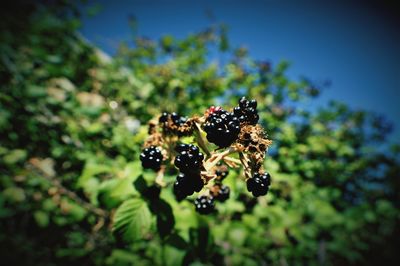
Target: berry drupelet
<point>246,112</point>
<point>189,159</point>
<point>151,158</point>
<point>266,178</point>
<point>175,118</point>
<point>259,184</point>
<point>186,184</point>
<point>204,204</point>
<point>222,127</point>
<point>178,120</point>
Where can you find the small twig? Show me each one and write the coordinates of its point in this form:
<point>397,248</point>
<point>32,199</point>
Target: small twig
<point>215,158</point>
<point>232,160</point>
<point>231,164</point>
<point>243,159</point>
<point>98,225</point>
<point>170,150</point>
<point>213,161</point>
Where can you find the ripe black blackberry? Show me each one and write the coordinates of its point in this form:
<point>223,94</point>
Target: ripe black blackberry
<point>186,184</point>
<point>177,122</point>
<point>177,119</point>
<point>222,127</point>
<point>151,158</point>
<point>266,178</point>
<point>246,112</point>
<point>164,117</point>
<point>189,159</point>
<point>223,192</point>
<point>258,185</point>
<point>204,204</point>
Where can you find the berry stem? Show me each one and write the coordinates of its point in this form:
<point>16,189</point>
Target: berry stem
<point>213,161</point>
<point>232,160</point>
<point>246,169</point>
<point>207,176</point>
<point>170,149</point>
<point>160,176</point>
<point>215,158</point>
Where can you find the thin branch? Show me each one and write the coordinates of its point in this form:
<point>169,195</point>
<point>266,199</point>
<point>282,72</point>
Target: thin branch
<point>74,197</point>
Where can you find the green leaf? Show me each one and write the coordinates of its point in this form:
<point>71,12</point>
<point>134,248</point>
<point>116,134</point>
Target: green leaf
<point>15,156</point>
<point>114,191</point>
<point>14,194</point>
<point>132,220</point>
<point>91,169</point>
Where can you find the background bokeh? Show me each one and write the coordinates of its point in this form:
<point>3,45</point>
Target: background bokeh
<point>77,91</point>
<point>351,46</point>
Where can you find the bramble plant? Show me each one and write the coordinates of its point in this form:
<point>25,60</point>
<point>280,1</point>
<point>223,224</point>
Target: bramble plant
<point>233,132</point>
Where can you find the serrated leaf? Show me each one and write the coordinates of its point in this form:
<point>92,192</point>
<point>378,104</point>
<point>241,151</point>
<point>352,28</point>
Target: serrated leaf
<point>114,191</point>
<point>132,220</point>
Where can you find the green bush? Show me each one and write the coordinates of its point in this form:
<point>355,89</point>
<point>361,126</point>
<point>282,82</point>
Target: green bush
<point>73,121</point>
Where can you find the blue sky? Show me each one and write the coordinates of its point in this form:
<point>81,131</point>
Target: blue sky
<point>353,44</point>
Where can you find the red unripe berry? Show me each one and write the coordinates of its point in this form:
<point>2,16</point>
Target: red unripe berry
<point>213,109</point>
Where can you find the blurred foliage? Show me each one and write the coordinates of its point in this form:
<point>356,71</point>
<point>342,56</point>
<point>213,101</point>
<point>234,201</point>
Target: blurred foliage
<point>72,122</point>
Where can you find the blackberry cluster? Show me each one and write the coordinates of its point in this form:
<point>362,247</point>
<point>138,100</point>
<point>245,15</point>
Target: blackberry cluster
<point>177,122</point>
<point>151,158</point>
<point>204,204</point>
<point>189,159</point>
<point>186,184</point>
<point>221,192</point>
<point>246,112</point>
<point>222,128</point>
<point>259,184</point>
